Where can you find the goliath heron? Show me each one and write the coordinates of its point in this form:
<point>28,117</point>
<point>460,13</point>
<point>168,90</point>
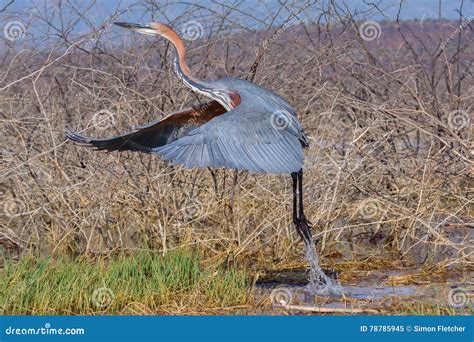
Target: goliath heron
<point>243,127</point>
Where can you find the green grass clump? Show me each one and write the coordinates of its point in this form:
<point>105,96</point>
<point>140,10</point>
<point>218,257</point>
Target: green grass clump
<point>141,283</point>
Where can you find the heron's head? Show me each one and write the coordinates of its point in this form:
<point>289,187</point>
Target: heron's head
<point>163,30</point>
<point>157,29</point>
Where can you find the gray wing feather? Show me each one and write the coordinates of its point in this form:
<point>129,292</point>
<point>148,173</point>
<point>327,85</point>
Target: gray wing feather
<point>244,139</point>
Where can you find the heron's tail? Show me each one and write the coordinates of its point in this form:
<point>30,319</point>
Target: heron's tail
<point>122,142</point>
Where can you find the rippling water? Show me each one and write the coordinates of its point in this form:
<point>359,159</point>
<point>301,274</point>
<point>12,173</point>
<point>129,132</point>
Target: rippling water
<point>319,282</point>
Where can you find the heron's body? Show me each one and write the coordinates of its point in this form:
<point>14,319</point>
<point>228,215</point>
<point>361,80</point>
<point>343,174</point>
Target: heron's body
<point>261,134</point>
<point>244,127</point>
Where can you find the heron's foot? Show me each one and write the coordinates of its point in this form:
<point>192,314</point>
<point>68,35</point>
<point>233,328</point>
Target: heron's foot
<point>303,227</point>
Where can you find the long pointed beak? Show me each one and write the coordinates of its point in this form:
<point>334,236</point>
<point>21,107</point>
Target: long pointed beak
<point>142,28</point>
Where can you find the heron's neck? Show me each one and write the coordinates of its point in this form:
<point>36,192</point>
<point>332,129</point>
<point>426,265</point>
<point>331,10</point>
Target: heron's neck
<point>181,67</point>
<point>190,81</point>
<point>184,74</point>
<point>204,87</point>
<point>180,59</point>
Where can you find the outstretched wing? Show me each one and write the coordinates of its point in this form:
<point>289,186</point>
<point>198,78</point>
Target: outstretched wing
<point>245,138</point>
<point>155,134</point>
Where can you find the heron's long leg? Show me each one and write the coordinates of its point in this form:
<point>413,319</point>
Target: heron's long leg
<point>303,227</point>
<point>294,177</point>
<point>300,190</point>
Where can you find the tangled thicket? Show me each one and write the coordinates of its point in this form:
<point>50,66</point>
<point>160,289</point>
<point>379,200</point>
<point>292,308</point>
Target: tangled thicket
<point>389,172</point>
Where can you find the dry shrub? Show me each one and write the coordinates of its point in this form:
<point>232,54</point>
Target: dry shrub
<point>388,174</point>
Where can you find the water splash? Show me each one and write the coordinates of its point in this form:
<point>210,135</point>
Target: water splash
<point>319,283</point>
